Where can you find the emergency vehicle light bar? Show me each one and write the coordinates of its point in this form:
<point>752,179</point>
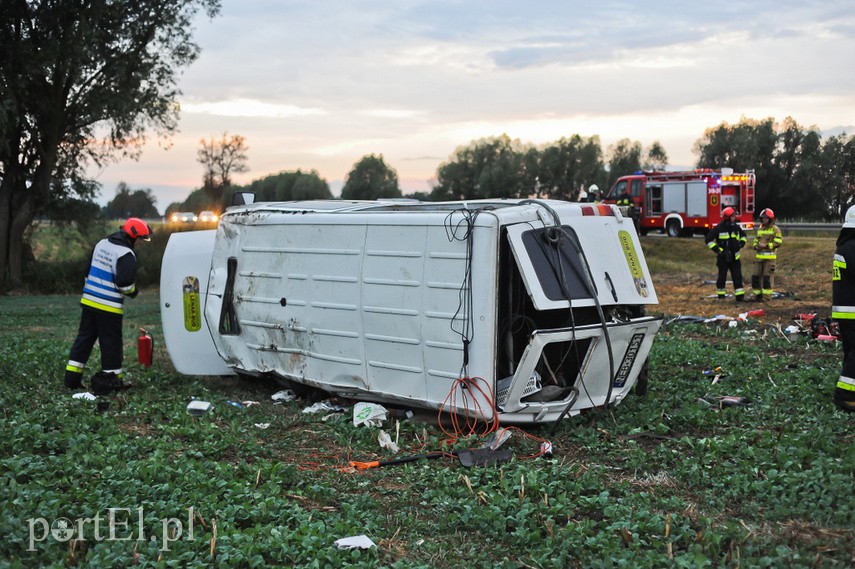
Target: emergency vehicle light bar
<point>598,209</point>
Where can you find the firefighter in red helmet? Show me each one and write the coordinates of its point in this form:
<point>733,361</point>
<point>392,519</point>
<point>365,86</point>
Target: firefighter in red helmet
<point>111,277</point>
<point>766,242</point>
<point>726,239</point>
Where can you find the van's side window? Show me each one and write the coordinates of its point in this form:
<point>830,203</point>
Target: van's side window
<point>229,324</point>
<point>558,266</point>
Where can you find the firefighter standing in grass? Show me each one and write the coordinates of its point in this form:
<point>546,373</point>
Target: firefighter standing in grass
<point>634,212</point>
<point>726,240</point>
<point>766,243</point>
<point>112,276</point>
<point>843,309</point>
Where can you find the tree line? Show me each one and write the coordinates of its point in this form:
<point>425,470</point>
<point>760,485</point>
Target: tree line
<point>799,174</point>
<point>83,84</point>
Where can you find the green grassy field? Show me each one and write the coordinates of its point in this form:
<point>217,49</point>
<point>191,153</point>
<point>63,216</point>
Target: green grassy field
<point>659,481</point>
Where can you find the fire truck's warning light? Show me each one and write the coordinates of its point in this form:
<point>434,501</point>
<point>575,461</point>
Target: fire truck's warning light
<point>734,178</point>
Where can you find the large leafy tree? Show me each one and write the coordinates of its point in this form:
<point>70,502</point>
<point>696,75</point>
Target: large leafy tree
<point>748,145</point>
<point>657,158</point>
<point>835,174</point>
<point>493,167</point>
<point>798,174</point>
<point>624,159</point>
<point>570,165</point>
<point>288,186</point>
<point>131,203</point>
<point>81,82</point>
<point>221,158</point>
<point>371,178</point>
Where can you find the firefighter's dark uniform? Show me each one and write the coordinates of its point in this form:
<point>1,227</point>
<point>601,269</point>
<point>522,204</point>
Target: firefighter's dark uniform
<point>726,240</point>
<point>112,275</point>
<point>766,244</point>
<point>843,310</point>
<point>626,200</point>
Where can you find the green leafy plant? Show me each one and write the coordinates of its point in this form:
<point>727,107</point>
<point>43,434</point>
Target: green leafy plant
<point>660,480</point>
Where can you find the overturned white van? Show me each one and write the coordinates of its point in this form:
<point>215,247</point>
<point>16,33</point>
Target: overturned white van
<point>542,303</point>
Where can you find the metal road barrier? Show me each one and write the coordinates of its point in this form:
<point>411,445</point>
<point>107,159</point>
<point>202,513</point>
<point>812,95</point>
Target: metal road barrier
<point>787,227</point>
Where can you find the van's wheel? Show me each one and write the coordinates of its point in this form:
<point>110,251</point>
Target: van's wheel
<point>672,228</point>
<point>641,383</point>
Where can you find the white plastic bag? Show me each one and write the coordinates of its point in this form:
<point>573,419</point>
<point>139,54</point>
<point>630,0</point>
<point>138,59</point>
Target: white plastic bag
<point>369,414</point>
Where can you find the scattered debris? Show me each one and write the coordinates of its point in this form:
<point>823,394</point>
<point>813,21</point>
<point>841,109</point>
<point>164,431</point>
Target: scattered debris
<point>827,338</point>
<point>386,442</point>
<point>716,373</point>
<point>785,295</point>
<point>724,401</point>
<point>401,413</point>
<point>84,395</point>
<point>262,425</point>
<point>482,456</point>
<point>369,414</point>
<point>355,542</point>
<point>824,329</point>
<point>283,396</point>
<point>197,407</point>
<point>689,319</point>
<point>235,404</point>
<point>393,461</point>
<point>546,449</point>
<point>324,406</point>
<point>497,439</point>
<point>819,328</point>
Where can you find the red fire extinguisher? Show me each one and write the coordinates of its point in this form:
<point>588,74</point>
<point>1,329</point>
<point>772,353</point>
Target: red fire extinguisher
<point>145,347</point>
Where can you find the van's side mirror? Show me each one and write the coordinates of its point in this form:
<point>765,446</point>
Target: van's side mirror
<point>243,198</point>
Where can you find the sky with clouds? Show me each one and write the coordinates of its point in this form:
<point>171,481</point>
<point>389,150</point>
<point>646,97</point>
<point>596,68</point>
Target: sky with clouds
<point>315,84</point>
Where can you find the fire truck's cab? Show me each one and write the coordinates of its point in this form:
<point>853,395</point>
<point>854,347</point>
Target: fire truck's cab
<point>688,202</point>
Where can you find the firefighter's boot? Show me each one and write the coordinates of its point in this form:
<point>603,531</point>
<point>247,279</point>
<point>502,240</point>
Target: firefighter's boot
<point>844,399</point>
<point>73,379</point>
<point>767,287</point>
<point>105,382</point>
<point>755,288</point>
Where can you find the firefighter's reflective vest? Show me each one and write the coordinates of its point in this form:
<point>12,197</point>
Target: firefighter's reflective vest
<point>843,279</point>
<point>771,237</point>
<point>101,291</point>
<point>726,236</point>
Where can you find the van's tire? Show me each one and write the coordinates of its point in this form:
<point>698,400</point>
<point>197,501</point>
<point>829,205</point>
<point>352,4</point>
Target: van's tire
<point>672,228</point>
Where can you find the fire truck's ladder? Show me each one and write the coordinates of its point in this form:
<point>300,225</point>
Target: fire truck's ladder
<point>749,191</point>
<point>687,175</point>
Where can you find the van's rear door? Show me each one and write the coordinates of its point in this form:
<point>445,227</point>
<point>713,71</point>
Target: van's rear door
<point>595,257</point>
<point>183,294</point>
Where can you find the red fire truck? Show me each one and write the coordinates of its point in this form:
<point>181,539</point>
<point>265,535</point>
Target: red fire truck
<point>685,203</point>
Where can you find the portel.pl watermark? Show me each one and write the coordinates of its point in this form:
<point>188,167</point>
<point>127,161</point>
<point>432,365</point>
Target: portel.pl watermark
<point>119,524</point>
